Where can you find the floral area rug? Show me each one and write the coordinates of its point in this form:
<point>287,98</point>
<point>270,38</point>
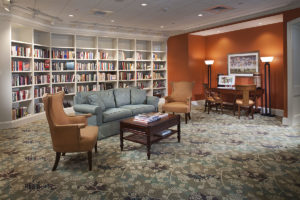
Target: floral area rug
<point>219,157</point>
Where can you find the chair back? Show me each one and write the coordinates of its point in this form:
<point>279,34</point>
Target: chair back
<point>181,90</point>
<point>245,89</point>
<point>207,92</point>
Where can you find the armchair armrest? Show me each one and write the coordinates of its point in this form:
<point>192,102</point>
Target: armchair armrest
<point>152,100</point>
<point>66,137</point>
<point>81,115</point>
<point>168,99</point>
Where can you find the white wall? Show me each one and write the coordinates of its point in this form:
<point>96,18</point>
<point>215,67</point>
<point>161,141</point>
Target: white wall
<point>5,72</point>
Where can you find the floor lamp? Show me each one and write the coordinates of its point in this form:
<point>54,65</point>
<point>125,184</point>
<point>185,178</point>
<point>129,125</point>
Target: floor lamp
<point>267,61</point>
<point>209,63</point>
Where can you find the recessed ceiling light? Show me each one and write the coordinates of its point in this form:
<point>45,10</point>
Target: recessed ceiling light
<point>71,15</point>
<point>200,15</point>
<point>112,21</point>
<point>7,9</point>
<point>162,27</point>
<point>144,4</point>
<point>260,23</point>
<point>218,31</point>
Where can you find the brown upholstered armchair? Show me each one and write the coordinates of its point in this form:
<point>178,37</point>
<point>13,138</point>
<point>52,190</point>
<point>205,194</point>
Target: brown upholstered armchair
<point>180,99</point>
<point>68,133</point>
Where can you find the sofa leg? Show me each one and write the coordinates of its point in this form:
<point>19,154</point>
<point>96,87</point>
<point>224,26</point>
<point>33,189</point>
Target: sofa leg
<point>56,161</point>
<point>90,159</point>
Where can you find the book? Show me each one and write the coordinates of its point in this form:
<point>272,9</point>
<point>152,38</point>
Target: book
<point>164,132</point>
<point>149,117</point>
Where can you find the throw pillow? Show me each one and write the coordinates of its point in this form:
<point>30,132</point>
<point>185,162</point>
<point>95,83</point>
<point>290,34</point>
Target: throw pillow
<point>94,99</point>
<point>122,96</point>
<point>107,96</point>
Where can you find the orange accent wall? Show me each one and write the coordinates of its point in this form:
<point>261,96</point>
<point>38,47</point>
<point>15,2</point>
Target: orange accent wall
<point>267,40</point>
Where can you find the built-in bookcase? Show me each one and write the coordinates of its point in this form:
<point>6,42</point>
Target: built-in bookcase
<point>44,62</point>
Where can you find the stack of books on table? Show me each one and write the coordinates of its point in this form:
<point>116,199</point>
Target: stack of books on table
<point>150,117</point>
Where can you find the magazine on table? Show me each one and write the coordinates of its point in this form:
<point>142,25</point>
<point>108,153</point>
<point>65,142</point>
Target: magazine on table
<point>149,117</point>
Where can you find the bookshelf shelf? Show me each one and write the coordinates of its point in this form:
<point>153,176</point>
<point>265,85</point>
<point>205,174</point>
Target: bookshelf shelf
<point>66,57</point>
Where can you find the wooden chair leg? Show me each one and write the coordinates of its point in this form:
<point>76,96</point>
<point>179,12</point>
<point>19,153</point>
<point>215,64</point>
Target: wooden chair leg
<point>96,147</point>
<point>222,107</point>
<point>186,116</point>
<point>252,111</point>
<point>239,110</point>
<point>234,107</point>
<point>189,114</point>
<point>208,107</point>
<point>205,105</point>
<point>56,161</point>
<point>90,159</point>
<point>173,113</point>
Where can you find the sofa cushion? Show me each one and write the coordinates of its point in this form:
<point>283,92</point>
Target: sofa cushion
<point>108,98</point>
<point>96,100</point>
<point>113,114</point>
<point>122,96</point>
<point>82,97</point>
<point>140,108</point>
<point>138,96</point>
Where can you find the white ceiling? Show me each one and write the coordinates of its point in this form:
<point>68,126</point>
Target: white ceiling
<point>159,16</point>
<point>243,25</point>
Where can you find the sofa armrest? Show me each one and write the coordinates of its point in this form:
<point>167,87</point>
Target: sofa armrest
<point>152,100</point>
<point>87,108</point>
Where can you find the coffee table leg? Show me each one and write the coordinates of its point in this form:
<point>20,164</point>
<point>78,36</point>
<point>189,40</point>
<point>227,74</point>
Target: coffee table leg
<point>178,131</point>
<point>121,139</point>
<point>148,145</point>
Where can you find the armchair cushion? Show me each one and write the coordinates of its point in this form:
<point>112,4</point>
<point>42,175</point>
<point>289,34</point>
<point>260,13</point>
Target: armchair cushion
<point>138,96</point>
<point>122,96</point>
<point>96,100</point>
<point>177,107</point>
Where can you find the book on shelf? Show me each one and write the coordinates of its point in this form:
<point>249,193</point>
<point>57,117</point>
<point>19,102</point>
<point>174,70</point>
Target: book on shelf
<point>164,132</point>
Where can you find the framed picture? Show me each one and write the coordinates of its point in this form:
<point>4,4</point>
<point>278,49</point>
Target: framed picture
<point>243,64</point>
<point>225,80</point>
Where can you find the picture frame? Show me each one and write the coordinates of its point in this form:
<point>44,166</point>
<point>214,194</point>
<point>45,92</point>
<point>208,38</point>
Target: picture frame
<point>226,80</point>
<point>243,64</point>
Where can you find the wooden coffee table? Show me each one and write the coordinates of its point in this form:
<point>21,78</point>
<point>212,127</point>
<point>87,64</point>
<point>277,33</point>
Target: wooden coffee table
<point>146,133</point>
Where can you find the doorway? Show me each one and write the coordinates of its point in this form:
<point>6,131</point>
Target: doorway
<point>293,67</point>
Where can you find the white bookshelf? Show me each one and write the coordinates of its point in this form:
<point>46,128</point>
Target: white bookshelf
<point>99,63</point>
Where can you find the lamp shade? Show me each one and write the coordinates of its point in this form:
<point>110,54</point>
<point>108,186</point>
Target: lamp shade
<point>267,59</point>
<point>209,62</point>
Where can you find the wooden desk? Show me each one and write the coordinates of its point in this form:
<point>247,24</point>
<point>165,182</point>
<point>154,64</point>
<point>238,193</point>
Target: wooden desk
<point>231,93</point>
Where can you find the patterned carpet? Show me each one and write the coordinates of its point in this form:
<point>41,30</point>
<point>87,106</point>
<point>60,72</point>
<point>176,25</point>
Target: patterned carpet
<point>219,157</point>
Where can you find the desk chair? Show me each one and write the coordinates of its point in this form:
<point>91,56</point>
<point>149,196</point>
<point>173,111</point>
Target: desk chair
<point>68,133</point>
<point>246,101</point>
<point>212,99</point>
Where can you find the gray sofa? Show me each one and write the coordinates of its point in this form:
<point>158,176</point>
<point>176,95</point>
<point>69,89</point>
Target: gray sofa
<point>108,107</point>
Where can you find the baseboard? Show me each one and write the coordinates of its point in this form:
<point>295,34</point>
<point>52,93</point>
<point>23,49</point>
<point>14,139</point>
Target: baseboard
<point>29,118</point>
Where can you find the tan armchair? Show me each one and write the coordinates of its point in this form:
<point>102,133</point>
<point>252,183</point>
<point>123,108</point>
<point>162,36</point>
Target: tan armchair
<point>68,133</point>
<point>180,99</point>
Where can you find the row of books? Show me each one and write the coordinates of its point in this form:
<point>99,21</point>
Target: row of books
<point>20,51</point>
<point>19,80</point>
<point>126,76</point>
<point>63,54</point>
<point>107,77</point>
<point>141,75</point>
<point>42,65</point>
<point>86,66</point>
<point>143,66</point>
<point>40,79</point>
<point>105,86</point>
<point>20,95</point>
<point>141,85</point>
<point>158,66</point>
<point>85,55</point>
<point>158,84</point>
<point>19,65</point>
<point>126,55</point>
<point>126,66</point>
<point>66,89</point>
<point>156,57</point>
<point>41,53</point>
<point>39,107</point>
<point>149,117</point>
<point>105,55</point>
<point>125,85</point>
<point>86,88</point>
<point>19,112</point>
<point>39,92</point>
<point>62,78</point>
<point>60,66</point>
<point>157,75</point>
<point>106,66</point>
<point>141,56</point>
<point>86,77</point>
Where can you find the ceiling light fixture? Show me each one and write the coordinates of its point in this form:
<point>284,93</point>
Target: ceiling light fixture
<point>7,9</point>
<point>162,27</point>
<point>200,15</point>
<point>259,23</point>
<point>144,4</point>
<point>71,15</point>
<point>112,21</point>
